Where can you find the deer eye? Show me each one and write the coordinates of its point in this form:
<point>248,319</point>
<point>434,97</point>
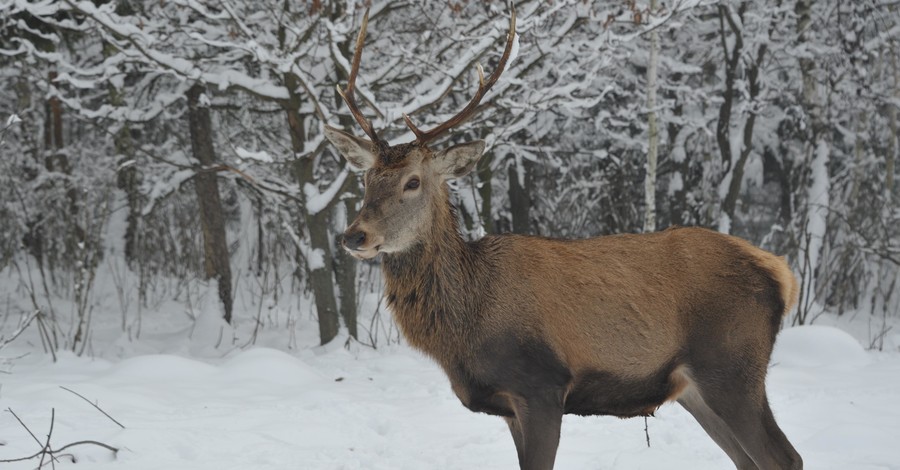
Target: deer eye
<point>411,184</point>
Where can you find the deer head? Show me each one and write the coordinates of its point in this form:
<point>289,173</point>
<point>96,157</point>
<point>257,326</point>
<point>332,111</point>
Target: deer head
<point>405,183</point>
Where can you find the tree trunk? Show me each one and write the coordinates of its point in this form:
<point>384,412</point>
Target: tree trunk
<point>817,151</point>
<point>520,197</point>
<point>321,275</point>
<point>737,173</point>
<point>127,177</point>
<point>652,131</point>
<point>212,220</point>
<point>723,125</point>
<point>891,157</point>
<point>344,264</point>
<point>320,268</point>
<point>485,190</point>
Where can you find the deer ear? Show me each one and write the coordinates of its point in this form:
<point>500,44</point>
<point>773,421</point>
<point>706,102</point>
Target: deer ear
<point>459,160</point>
<point>358,152</point>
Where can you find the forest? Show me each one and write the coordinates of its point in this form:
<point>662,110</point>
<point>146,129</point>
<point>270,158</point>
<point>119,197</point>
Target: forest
<point>164,150</point>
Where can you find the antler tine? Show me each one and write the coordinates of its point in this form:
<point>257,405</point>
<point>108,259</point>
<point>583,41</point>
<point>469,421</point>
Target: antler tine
<point>347,94</point>
<point>483,87</point>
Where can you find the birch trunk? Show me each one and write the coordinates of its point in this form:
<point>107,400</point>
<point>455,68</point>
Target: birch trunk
<point>891,158</point>
<point>817,151</point>
<point>652,130</point>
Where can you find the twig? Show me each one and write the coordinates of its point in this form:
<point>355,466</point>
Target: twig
<point>47,444</point>
<point>646,431</point>
<point>94,405</point>
<point>23,425</point>
<point>81,443</point>
<point>23,325</point>
<point>52,451</point>
<point>47,450</point>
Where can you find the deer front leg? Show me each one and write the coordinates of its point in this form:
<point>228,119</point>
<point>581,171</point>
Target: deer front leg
<point>535,430</point>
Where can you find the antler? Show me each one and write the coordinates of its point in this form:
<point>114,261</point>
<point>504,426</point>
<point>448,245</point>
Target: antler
<point>483,87</point>
<point>347,94</point>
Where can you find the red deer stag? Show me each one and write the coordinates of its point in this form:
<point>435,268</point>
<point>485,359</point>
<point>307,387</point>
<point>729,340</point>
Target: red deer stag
<point>532,328</point>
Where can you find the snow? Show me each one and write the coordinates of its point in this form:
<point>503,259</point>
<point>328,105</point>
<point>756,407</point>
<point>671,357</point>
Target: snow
<point>818,346</point>
<point>316,201</point>
<point>724,223</point>
<point>513,53</point>
<point>260,156</point>
<point>316,259</point>
<point>335,407</point>
<point>818,200</point>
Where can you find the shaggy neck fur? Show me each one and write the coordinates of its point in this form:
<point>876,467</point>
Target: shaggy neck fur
<point>435,288</point>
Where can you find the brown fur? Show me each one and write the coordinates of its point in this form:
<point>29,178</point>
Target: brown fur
<point>530,328</point>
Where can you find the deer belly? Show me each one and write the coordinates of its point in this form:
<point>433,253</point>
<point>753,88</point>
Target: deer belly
<point>505,371</point>
<point>617,394</point>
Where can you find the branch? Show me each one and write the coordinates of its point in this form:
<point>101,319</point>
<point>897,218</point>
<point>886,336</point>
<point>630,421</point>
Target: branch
<point>12,119</point>
<point>47,450</point>
<point>23,325</point>
<point>94,405</point>
<point>178,66</point>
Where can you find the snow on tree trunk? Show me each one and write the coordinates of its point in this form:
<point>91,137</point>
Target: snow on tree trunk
<point>818,152</point>
<point>891,158</point>
<point>652,131</point>
<point>212,220</point>
<point>817,217</point>
<point>320,263</point>
<point>520,196</point>
<point>344,264</point>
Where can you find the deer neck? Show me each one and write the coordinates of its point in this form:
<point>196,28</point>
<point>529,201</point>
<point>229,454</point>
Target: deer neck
<point>432,288</point>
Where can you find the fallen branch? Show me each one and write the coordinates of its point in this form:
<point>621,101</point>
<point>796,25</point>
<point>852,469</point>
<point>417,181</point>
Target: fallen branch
<point>50,451</point>
<point>47,451</point>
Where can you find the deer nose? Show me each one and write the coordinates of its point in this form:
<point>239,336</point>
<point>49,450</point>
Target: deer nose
<point>354,239</point>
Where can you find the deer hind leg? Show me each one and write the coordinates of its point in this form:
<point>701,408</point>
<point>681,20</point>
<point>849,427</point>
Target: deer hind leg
<point>744,409</point>
<point>754,427</point>
<point>691,400</point>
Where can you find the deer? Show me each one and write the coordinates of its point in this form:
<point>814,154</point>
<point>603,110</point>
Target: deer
<point>530,329</point>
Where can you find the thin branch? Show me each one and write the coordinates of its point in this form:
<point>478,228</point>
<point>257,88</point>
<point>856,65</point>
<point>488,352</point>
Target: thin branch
<point>94,405</point>
<point>23,425</point>
<point>108,447</point>
<point>47,444</point>
<point>46,450</point>
<point>23,326</point>
<point>52,451</point>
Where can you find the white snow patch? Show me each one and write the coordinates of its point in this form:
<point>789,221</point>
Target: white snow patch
<point>818,346</point>
<point>316,201</point>
<point>211,332</point>
<point>263,365</point>
<point>316,259</point>
<point>259,156</point>
<point>724,223</point>
<point>676,183</point>
<point>513,53</point>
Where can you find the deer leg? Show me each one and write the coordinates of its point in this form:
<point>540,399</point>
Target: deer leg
<point>753,425</point>
<point>516,432</point>
<point>535,429</point>
<point>716,428</point>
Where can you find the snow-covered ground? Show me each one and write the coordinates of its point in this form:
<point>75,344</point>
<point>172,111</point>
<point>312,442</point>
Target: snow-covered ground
<point>185,406</point>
